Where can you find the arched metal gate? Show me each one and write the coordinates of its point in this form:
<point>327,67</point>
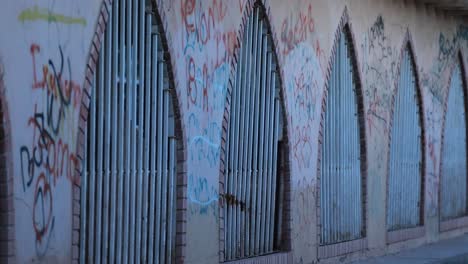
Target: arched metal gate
<point>341,188</point>
<point>128,186</point>
<point>253,189</point>
<point>404,200</point>
<point>453,195</point>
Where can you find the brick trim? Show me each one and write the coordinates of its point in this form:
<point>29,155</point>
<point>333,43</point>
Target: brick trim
<point>93,55</point>
<point>395,236</point>
<point>7,210</point>
<point>181,180</point>
<point>175,89</point>
<point>284,163</point>
<point>446,225</point>
<point>327,251</point>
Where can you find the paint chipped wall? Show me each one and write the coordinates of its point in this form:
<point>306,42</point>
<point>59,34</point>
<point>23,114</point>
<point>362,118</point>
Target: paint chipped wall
<point>45,47</point>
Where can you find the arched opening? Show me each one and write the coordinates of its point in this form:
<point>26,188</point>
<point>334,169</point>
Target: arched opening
<point>405,192</point>
<point>343,155</point>
<point>453,177</point>
<point>129,203</point>
<point>255,219</point>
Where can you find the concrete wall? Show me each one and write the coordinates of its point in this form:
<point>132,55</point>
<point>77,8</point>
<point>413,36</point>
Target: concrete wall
<point>47,52</point>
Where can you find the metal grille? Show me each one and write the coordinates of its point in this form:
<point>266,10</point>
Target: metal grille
<point>404,180</point>
<point>128,186</point>
<point>252,219</point>
<point>454,174</point>
<point>341,182</point>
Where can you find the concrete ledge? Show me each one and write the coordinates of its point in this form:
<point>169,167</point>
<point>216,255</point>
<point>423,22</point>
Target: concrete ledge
<point>405,234</point>
<point>453,224</point>
<point>275,258</point>
<point>445,251</point>
<point>338,249</point>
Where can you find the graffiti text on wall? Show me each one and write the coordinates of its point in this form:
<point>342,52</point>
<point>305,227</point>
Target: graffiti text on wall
<point>49,157</point>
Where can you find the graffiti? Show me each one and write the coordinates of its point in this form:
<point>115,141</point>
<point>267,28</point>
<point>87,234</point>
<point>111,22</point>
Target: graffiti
<point>296,29</point>
<point>203,150</point>
<point>201,193</point>
<point>432,154</point>
<point>43,219</point>
<point>206,75</point>
<point>303,81</point>
<point>380,67</point>
<point>49,157</point>
<point>302,147</point>
<point>436,78</point>
<point>46,153</point>
<point>35,13</point>
<point>305,209</point>
<point>200,25</point>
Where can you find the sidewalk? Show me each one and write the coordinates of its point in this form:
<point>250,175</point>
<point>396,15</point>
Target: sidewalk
<point>451,251</point>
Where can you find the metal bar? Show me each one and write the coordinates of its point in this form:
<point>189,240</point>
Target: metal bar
<point>249,139</point>
<point>153,41</point>
<point>261,177</point>
<point>246,138</point>
<point>121,150</point>
<point>165,159</point>
<point>114,75</point>
<point>99,141</point>
<point>160,153</point>
<point>92,174</point>
<point>257,179</point>
<point>107,51</point>
<point>145,74</point>
<point>171,203</point>
<point>232,179</point>
<point>241,181</point>
<point>275,175</point>
<point>266,150</point>
<point>236,155</point>
<point>270,164</point>
<point>129,184</point>
<point>242,170</point>
<point>135,214</point>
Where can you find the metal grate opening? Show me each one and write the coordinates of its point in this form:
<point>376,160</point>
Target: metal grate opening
<point>341,188</point>
<point>254,185</point>
<point>128,185</point>
<point>454,169</point>
<point>404,201</point>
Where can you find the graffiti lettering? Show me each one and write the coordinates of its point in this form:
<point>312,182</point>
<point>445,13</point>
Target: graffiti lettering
<point>295,30</point>
<point>49,158</point>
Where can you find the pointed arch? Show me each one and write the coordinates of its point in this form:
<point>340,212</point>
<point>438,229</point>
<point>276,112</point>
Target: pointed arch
<point>130,130</point>
<point>342,228</point>
<point>406,159</point>
<point>254,174</point>
<point>453,184</point>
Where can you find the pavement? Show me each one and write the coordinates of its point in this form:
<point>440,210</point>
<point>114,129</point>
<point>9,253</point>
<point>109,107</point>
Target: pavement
<point>450,251</point>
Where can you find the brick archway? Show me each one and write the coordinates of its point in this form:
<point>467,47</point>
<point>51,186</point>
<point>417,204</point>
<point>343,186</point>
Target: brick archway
<point>411,233</point>
<point>332,250</point>
<point>181,178</point>
<point>284,163</point>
